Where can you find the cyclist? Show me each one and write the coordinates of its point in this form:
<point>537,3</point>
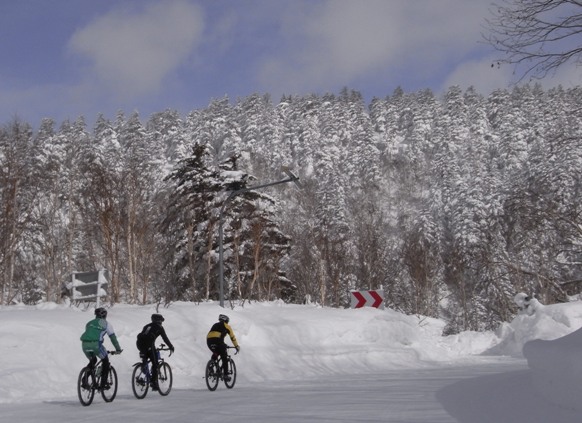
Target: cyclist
<point>216,344</point>
<point>92,342</point>
<point>146,344</point>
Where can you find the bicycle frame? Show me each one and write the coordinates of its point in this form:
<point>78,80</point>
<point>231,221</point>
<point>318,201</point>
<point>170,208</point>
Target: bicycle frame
<point>97,369</point>
<point>146,365</point>
<point>228,356</point>
<point>142,374</point>
<point>146,362</point>
<point>214,371</point>
<point>90,379</point>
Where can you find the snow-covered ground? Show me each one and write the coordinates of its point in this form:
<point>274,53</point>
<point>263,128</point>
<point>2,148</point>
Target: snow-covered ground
<point>287,346</point>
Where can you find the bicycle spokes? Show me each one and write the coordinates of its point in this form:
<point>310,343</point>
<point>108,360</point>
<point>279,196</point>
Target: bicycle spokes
<point>85,389</point>
<point>212,375</point>
<point>140,381</point>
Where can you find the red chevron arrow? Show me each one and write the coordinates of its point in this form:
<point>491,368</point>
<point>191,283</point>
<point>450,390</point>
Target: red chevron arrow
<point>361,299</point>
<point>377,298</point>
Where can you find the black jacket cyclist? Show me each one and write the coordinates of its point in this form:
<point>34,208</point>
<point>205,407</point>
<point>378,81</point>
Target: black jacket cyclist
<point>216,344</point>
<point>146,344</point>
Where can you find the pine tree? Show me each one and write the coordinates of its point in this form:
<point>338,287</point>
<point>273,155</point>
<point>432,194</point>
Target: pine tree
<point>189,227</point>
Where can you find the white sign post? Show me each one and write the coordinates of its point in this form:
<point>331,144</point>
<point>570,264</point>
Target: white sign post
<point>89,286</point>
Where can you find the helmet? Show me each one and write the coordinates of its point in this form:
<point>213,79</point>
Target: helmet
<point>101,313</point>
<point>157,318</point>
<point>223,318</point>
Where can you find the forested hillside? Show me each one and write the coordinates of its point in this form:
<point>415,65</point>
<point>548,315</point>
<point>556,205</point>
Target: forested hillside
<point>452,204</point>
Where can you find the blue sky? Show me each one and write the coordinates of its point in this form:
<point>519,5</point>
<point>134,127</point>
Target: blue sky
<point>69,58</point>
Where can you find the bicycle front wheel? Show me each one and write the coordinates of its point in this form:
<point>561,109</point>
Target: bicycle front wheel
<point>164,379</point>
<point>139,382</point>
<point>212,375</point>
<point>85,384</point>
<point>231,373</point>
<point>109,390</point>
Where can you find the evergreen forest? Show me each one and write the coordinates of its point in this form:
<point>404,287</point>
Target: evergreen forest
<point>450,204</point>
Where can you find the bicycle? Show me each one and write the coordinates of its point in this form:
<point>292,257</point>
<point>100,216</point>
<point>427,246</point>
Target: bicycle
<point>141,378</point>
<point>214,372</point>
<point>89,381</point>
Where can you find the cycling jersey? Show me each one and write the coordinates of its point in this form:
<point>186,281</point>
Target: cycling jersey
<point>92,338</point>
<point>219,330</point>
<point>147,337</point>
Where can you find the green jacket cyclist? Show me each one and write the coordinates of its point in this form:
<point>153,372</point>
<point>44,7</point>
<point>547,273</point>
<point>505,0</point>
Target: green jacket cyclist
<point>92,341</point>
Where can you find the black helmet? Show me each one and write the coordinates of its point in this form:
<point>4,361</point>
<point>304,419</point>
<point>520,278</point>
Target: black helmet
<point>223,318</point>
<point>157,318</point>
<point>101,313</point>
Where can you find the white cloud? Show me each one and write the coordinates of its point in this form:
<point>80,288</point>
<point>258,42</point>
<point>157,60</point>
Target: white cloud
<point>341,40</point>
<point>568,75</point>
<point>486,76</point>
<point>132,52</point>
<point>483,74</point>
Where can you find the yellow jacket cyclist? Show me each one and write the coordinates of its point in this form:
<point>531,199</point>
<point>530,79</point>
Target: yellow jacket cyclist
<point>216,344</point>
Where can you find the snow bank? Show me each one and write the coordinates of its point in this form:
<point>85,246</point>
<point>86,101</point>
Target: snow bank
<point>556,364</point>
<point>548,322</point>
<point>551,341</point>
<point>41,352</point>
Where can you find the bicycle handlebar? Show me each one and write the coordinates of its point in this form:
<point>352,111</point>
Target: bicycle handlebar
<point>163,347</point>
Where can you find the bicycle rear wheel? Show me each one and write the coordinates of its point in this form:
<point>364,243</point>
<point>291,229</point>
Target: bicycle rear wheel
<point>164,379</point>
<point>212,375</point>
<point>231,373</point>
<point>85,389</point>
<point>139,381</point>
<point>109,391</point>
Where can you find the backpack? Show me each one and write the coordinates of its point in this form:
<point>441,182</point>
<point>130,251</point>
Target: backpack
<point>143,342</point>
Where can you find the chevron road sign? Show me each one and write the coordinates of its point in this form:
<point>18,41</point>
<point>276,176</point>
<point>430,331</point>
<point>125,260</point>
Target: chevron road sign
<point>373,298</point>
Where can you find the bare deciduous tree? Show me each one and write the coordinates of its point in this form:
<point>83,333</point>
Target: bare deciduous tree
<point>536,36</point>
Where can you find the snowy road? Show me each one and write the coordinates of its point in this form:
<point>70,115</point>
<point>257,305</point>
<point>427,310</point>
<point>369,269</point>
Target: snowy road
<point>476,394</point>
